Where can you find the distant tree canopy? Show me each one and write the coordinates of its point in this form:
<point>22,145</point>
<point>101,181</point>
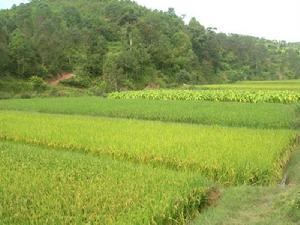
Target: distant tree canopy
<point>129,46</point>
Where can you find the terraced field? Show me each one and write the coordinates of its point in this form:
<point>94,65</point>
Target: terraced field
<point>228,155</point>
<point>41,186</point>
<point>135,161</point>
<point>260,115</point>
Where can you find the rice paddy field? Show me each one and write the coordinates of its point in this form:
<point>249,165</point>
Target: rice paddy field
<point>257,85</point>
<point>260,115</point>
<point>40,186</point>
<point>147,157</point>
<point>228,155</point>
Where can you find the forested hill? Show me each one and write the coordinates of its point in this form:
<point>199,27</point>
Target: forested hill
<point>127,45</point>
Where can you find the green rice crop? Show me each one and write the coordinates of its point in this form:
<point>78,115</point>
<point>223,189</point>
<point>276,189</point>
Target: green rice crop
<point>227,155</point>
<point>261,115</point>
<point>42,186</point>
<point>250,96</point>
<point>257,85</point>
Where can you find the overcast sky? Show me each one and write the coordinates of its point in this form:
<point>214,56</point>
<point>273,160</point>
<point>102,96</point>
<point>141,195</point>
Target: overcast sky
<point>5,4</point>
<point>272,19</point>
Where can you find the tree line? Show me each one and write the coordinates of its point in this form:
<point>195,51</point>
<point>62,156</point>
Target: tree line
<point>124,45</point>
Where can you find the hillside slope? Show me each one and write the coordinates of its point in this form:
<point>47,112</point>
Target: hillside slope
<point>125,45</point>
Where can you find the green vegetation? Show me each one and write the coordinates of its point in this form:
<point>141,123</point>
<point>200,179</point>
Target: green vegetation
<point>260,115</point>
<point>34,87</point>
<point>257,85</point>
<point>64,161</point>
<point>9,87</point>
<point>244,205</point>
<point>212,95</point>
<point>124,45</point>
<point>151,171</point>
<point>249,205</point>
<point>41,186</point>
<point>227,155</point>
<point>293,169</point>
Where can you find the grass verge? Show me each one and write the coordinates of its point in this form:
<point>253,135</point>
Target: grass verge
<point>250,205</point>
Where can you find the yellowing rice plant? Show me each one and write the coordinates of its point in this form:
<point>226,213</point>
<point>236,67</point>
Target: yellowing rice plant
<point>227,155</point>
<point>42,186</point>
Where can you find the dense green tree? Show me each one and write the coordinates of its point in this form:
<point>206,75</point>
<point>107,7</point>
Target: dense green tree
<point>125,45</point>
<point>198,37</point>
<point>95,53</point>
<point>22,55</point>
<point>4,59</point>
<point>113,74</point>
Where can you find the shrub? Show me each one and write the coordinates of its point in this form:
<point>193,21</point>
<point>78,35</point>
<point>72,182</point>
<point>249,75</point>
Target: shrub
<point>183,77</point>
<point>38,84</point>
<point>78,82</point>
<point>99,88</point>
<point>25,96</point>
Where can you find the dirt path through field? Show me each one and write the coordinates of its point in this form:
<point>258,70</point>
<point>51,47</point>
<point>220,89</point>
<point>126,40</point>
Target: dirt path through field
<point>63,76</point>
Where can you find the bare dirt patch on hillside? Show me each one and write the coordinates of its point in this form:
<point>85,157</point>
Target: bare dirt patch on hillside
<point>63,76</point>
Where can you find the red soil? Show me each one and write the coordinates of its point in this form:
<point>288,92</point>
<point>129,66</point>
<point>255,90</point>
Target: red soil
<point>63,76</point>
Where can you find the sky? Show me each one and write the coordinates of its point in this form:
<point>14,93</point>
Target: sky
<point>271,19</point>
<point>5,4</point>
